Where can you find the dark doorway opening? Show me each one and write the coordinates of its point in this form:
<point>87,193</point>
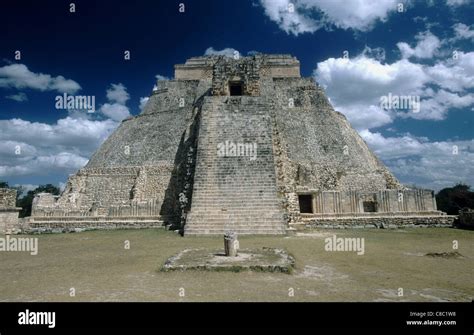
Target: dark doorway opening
<point>306,203</point>
<point>236,88</point>
<point>370,206</point>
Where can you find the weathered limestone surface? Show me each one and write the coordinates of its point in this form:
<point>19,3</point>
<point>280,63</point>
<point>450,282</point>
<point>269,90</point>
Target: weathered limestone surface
<point>330,203</point>
<point>259,260</point>
<point>231,244</point>
<point>164,166</point>
<point>379,222</point>
<point>8,211</point>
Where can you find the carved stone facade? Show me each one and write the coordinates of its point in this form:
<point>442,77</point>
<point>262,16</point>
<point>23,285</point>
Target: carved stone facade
<point>164,166</point>
<point>359,203</point>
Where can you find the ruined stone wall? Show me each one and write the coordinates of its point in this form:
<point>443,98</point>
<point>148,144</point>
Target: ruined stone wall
<point>8,220</point>
<point>8,211</point>
<point>381,222</point>
<point>65,224</point>
<point>7,198</point>
<point>109,191</point>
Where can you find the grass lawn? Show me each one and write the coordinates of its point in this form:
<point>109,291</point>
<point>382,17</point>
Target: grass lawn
<point>99,268</point>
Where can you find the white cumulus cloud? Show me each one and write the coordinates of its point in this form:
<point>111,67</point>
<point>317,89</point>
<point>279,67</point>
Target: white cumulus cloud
<point>20,97</point>
<point>35,148</point>
<point>426,47</point>
<point>307,16</point>
<point>228,52</point>
<point>143,101</point>
<point>116,109</point>
<point>356,86</point>
<point>160,77</point>
<point>118,93</point>
<point>457,3</point>
<point>456,75</point>
<point>20,77</point>
<point>433,165</point>
<point>463,31</point>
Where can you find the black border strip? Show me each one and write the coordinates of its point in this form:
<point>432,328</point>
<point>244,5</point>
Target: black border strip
<point>241,315</point>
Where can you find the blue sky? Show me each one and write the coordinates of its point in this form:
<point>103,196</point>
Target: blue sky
<point>424,50</point>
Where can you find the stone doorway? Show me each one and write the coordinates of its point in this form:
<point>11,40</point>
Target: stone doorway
<point>236,88</point>
<point>370,206</point>
<point>306,203</point>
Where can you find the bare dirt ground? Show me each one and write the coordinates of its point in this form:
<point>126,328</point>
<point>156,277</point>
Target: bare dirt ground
<point>98,267</point>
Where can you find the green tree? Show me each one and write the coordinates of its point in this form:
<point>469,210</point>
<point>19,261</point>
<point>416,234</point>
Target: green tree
<point>452,199</point>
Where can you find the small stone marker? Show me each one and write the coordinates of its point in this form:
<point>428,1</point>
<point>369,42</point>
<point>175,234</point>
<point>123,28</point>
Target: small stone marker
<point>231,244</point>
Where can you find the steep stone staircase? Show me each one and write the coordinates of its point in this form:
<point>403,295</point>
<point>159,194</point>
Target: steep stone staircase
<point>235,193</point>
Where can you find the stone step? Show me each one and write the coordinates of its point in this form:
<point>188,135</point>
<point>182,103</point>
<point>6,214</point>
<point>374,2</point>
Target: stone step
<point>224,222</point>
<point>234,227</point>
<point>222,198</point>
<point>228,189</point>
<point>251,223</point>
<point>228,192</point>
<point>92,218</point>
<point>37,224</point>
<point>234,177</point>
<point>276,213</point>
<point>225,199</point>
<point>239,182</point>
<point>246,188</point>
<point>235,184</point>
<point>240,218</point>
<point>233,218</point>
<point>204,231</point>
<point>210,208</point>
<point>233,205</point>
<point>239,206</point>
<point>227,225</point>
<point>238,190</point>
<point>219,203</point>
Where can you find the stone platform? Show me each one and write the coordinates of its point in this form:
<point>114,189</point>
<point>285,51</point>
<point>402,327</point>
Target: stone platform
<point>259,260</point>
<point>66,224</point>
<point>388,221</point>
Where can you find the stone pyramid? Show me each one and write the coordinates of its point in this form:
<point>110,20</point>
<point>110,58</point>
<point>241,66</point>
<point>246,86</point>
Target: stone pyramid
<point>243,144</point>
